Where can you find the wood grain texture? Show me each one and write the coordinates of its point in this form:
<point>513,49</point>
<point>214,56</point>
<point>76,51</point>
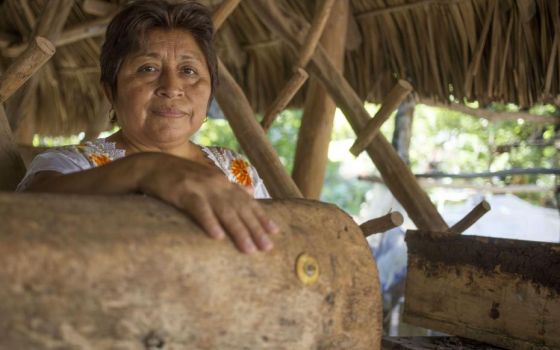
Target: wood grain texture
<point>96,272</point>
<point>503,292</point>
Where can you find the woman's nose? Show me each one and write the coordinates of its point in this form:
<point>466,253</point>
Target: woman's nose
<point>169,84</point>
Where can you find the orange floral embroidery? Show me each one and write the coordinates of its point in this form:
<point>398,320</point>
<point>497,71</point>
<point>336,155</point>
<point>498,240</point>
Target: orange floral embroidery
<point>99,159</point>
<point>240,170</point>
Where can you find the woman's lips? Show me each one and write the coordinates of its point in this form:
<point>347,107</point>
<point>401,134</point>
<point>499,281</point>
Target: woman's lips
<point>169,112</point>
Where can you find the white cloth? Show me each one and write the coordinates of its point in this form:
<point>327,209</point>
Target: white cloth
<point>70,159</point>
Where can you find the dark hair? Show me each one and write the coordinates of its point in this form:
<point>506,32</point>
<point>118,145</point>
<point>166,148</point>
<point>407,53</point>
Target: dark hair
<point>126,32</point>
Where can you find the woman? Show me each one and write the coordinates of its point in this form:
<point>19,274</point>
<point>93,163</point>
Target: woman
<point>159,71</point>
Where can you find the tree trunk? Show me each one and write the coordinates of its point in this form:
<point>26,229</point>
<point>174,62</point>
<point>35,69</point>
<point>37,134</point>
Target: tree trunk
<point>403,129</point>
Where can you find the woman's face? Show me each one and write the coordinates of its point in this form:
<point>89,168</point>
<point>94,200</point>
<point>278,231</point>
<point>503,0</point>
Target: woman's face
<point>163,90</point>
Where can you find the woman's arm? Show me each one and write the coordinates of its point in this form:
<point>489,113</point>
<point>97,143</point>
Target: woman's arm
<point>200,191</point>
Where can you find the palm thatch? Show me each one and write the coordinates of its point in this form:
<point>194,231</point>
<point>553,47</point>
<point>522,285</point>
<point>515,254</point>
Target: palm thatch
<point>464,50</point>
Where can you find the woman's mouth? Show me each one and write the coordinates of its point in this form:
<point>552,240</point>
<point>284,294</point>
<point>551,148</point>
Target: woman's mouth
<point>169,112</point>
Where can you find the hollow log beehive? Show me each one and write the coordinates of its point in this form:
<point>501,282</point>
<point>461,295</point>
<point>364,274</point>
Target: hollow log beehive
<point>76,272</point>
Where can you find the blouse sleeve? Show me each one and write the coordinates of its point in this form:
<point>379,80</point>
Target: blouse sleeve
<point>63,160</point>
<point>258,185</point>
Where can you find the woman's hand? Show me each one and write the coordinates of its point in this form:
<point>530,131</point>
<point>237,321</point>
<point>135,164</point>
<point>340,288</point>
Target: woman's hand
<point>220,207</point>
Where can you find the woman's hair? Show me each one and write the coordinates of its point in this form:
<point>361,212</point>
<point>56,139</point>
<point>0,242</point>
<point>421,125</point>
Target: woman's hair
<point>127,31</point>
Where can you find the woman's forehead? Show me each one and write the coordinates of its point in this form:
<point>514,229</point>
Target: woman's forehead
<point>157,41</point>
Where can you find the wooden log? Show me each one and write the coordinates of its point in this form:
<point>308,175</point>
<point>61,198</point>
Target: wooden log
<point>90,29</point>
<point>382,223</point>
<point>222,13</point>
<point>500,291</point>
<point>77,272</point>
<point>314,136</point>
<point>314,33</point>
<point>391,102</point>
<point>471,218</point>
<point>284,97</point>
<point>12,168</point>
<point>396,174</point>
<point>252,138</point>
<point>38,53</point>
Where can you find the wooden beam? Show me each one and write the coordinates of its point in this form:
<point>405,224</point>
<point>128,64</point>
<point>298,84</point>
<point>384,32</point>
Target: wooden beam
<point>314,33</point>
<point>471,218</point>
<point>501,173</point>
<point>284,97</point>
<point>382,224</point>
<point>390,102</point>
<point>11,163</point>
<point>37,54</point>
<point>494,116</point>
<point>501,291</point>
<point>78,273</point>
<point>223,11</point>
<point>397,175</point>
<point>252,138</point>
<point>314,136</point>
<point>99,8</point>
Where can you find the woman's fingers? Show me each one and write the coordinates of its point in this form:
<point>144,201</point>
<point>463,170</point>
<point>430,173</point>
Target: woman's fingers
<point>201,211</point>
<point>237,230</point>
<point>258,232</point>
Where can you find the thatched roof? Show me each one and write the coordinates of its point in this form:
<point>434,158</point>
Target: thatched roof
<point>485,50</point>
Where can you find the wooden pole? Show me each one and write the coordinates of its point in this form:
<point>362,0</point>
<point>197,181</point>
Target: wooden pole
<point>99,7</point>
<point>12,168</point>
<point>392,101</point>
<point>382,224</point>
<point>473,216</point>
<point>222,13</point>
<point>396,174</point>
<point>314,33</point>
<point>37,54</point>
<point>284,97</point>
<point>252,138</point>
<point>314,135</point>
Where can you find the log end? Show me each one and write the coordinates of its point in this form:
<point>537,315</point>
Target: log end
<point>45,45</point>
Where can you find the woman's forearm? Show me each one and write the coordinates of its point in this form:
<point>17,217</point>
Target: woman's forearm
<point>118,177</point>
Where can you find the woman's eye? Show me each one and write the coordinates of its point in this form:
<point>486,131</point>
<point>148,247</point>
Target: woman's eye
<point>188,71</point>
<point>147,69</point>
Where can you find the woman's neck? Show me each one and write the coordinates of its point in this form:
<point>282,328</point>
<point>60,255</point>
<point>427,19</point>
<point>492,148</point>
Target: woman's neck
<point>187,149</point>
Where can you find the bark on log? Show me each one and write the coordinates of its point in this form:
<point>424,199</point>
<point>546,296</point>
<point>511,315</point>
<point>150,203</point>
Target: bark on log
<point>12,168</point>
<point>314,136</point>
<point>37,54</point>
<point>397,175</point>
<point>94,272</point>
<point>500,291</point>
<point>252,138</point>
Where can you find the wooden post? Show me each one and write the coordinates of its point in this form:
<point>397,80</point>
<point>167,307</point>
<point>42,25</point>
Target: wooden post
<point>382,224</point>
<point>81,274</point>
<point>473,216</point>
<point>12,168</point>
<point>397,94</point>
<point>284,97</point>
<point>37,54</point>
<point>252,138</point>
<point>396,174</point>
<point>314,135</point>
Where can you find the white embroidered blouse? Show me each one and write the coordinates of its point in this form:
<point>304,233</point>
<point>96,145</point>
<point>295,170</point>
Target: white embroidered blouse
<point>91,154</point>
